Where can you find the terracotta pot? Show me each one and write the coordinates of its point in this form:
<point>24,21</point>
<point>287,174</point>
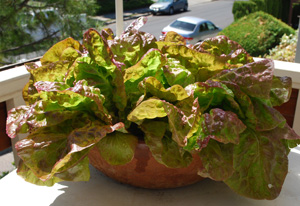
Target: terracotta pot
<point>144,171</point>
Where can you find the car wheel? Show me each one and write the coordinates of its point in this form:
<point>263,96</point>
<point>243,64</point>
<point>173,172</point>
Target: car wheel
<point>185,7</point>
<point>171,11</point>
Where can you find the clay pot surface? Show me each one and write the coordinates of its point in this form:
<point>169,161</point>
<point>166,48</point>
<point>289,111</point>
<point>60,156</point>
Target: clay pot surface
<point>145,172</point>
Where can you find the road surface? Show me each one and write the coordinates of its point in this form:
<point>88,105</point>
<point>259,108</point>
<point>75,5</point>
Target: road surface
<point>219,12</point>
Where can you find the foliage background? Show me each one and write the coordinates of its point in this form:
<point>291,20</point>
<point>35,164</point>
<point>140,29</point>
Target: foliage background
<point>109,6</point>
<point>257,32</point>
<point>286,50</point>
<point>20,15</point>
<point>277,8</point>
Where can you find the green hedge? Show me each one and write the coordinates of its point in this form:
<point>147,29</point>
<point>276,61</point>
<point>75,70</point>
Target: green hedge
<point>243,8</point>
<point>257,32</point>
<point>277,8</point>
<point>261,6</point>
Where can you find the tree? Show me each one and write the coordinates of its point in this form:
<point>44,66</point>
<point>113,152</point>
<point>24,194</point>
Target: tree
<point>31,25</point>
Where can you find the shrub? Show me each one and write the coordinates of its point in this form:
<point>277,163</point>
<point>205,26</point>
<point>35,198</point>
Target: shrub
<point>243,8</point>
<point>261,6</point>
<point>286,50</point>
<point>277,8</point>
<point>257,32</point>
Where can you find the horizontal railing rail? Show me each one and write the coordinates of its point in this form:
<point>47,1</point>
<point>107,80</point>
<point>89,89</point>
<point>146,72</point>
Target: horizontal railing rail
<point>13,80</point>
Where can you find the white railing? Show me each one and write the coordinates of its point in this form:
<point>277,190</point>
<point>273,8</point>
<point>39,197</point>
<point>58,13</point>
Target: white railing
<point>13,80</point>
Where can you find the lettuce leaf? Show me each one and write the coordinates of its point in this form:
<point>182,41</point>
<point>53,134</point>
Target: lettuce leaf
<point>131,46</point>
<point>222,126</point>
<point>150,65</point>
<point>255,79</point>
<point>49,151</point>
<point>117,148</point>
<point>155,88</point>
<point>260,164</point>
<point>101,55</point>
<point>201,65</point>
<point>68,49</point>
<point>175,73</point>
<point>163,148</point>
<point>228,50</point>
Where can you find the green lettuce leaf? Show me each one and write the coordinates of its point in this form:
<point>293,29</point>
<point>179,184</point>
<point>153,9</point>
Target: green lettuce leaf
<point>86,69</point>
<point>281,90</point>
<point>67,49</point>
<point>150,65</point>
<point>54,72</point>
<point>222,126</point>
<point>101,55</point>
<point>173,37</point>
<point>79,172</point>
<point>175,73</point>
<point>260,164</point>
<point>155,88</point>
<point>245,104</point>
<point>268,118</point>
<point>117,148</point>
<point>255,79</point>
<point>179,122</point>
<point>24,118</point>
<point>56,104</point>
<point>148,109</point>
<point>201,65</point>
<point>98,49</point>
<point>228,50</point>
<point>217,161</point>
<point>212,94</point>
<point>49,151</point>
<point>163,148</point>
<point>131,46</point>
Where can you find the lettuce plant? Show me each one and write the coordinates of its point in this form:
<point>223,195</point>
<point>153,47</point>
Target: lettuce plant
<point>109,92</point>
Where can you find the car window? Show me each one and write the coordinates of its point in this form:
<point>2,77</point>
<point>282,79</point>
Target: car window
<point>203,27</point>
<point>210,26</point>
<point>183,25</point>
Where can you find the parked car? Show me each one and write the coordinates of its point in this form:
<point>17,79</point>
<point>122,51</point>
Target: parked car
<point>168,6</point>
<point>193,29</point>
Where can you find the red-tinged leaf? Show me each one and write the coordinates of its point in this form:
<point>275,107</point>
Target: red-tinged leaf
<point>62,50</point>
<point>260,164</point>
<point>217,161</point>
<point>165,150</point>
<point>224,48</point>
<point>255,79</point>
<point>51,151</point>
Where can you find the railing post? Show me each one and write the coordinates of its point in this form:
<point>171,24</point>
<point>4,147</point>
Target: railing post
<point>119,17</point>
